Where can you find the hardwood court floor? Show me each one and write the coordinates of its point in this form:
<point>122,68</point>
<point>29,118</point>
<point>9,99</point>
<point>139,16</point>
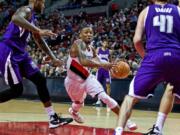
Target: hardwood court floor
<point>32,111</point>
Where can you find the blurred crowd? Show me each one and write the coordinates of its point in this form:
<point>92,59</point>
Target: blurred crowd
<point>72,4</point>
<point>118,30</point>
<point>7,8</point>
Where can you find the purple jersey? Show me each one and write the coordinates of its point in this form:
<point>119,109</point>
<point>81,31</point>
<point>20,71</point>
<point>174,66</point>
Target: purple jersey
<point>14,59</point>
<point>16,37</point>
<point>162,27</point>
<point>162,60</point>
<point>103,55</point>
<point>103,74</point>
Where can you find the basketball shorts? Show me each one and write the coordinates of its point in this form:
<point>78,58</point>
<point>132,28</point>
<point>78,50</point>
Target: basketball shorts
<point>14,69</point>
<point>103,75</point>
<point>156,67</point>
<point>78,90</point>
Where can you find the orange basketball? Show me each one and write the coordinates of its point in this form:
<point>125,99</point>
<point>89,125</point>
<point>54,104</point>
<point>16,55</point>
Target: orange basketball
<point>121,70</point>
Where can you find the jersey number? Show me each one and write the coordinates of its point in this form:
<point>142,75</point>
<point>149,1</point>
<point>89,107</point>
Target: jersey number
<point>165,23</point>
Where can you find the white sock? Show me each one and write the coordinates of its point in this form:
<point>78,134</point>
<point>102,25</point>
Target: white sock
<point>161,120</point>
<point>119,131</point>
<point>50,111</point>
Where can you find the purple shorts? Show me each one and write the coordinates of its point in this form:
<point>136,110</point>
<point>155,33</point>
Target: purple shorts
<point>15,66</point>
<point>103,75</point>
<point>158,66</point>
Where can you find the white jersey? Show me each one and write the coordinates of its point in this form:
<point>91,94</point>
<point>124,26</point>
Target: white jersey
<point>75,70</point>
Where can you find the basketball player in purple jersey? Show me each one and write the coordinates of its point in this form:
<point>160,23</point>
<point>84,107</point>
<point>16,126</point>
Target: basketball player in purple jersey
<point>166,105</point>
<point>103,75</point>
<point>161,58</point>
<point>16,63</point>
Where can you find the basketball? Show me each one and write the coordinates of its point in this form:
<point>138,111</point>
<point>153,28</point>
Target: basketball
<point>121,70</point>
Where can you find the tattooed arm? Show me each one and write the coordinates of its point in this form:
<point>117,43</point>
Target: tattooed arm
<point>77,50</point>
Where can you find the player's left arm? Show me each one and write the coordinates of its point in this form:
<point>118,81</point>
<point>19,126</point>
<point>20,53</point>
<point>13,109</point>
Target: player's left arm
<point>139,34</point>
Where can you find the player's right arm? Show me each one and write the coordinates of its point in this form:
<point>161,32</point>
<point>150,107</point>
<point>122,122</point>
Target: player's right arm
<point>21,17</point>
<point>139,34</point>
<point>77,51</point>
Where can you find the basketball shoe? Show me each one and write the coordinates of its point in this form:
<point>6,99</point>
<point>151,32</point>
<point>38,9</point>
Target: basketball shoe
<point>154,131</point>
<point>131,125</point>
<point>56,121</point>
<point>76,116</point>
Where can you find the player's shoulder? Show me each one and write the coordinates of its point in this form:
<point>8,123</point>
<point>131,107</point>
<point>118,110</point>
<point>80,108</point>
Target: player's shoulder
<point>78,44</point>
<point>27,10</point>
<point>144,12</point>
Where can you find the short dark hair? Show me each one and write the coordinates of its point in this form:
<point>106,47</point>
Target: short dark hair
<point>84,26</point>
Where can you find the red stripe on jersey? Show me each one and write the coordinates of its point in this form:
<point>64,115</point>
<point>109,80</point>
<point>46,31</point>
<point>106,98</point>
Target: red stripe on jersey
<point>79,69</point>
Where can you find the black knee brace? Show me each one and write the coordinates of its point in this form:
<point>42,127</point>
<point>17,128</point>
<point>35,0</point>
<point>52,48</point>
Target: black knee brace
<point>15,91</point>
<point>40,81</point>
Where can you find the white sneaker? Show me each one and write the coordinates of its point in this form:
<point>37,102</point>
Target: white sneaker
<point>76,116</point>
<point>131,125</point>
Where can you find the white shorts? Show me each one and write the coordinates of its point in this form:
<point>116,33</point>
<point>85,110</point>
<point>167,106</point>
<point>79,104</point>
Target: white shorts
<point>78,91</point>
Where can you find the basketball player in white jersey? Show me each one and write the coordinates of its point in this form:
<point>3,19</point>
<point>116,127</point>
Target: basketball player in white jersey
<point>79,82</point>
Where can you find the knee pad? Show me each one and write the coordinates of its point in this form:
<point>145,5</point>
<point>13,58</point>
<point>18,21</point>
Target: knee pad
<point>43,90</point>
<point>111,103</point>
<point>41,80</point>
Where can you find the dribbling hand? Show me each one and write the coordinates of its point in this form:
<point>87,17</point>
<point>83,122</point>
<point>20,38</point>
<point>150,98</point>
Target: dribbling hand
<point>108,65</point>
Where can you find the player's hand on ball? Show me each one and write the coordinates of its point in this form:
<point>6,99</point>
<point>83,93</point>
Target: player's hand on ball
<point>57,62</point>
<point>108,65</point>
<point>121,70</point>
